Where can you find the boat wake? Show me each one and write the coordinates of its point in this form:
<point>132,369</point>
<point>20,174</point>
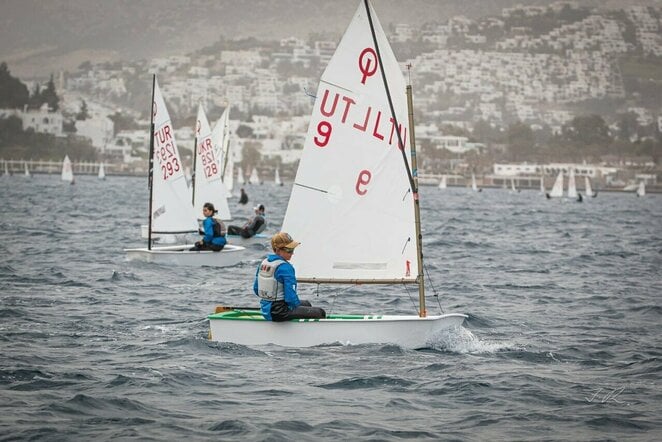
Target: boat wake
<point>461,340</point>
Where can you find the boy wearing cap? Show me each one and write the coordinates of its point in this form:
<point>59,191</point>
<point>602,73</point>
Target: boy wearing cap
<point>253,226</point>
<point>276,284</point>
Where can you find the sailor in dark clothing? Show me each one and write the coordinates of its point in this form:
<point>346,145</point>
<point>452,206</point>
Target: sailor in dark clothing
<point>253,226</point>
<point>243,198</point>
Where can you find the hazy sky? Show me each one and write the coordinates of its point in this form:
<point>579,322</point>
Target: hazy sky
<point>38,37</point>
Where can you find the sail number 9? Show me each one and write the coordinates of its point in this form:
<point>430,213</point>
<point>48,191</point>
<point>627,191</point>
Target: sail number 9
<point>324,130</point>
<point>363,180</point>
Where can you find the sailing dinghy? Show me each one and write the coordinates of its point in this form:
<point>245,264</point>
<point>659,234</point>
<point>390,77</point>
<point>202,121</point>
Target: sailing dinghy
<point>355,164</point>
<point>102,172</point>
<point>588,189</point>
<point>641,189</point>
<point>170,208</point>
<point>67,170</point>
<point>442,183</point>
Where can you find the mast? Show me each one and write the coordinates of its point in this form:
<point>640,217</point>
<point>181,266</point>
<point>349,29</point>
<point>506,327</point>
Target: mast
<point>150,176</point>
<point>195,153</point>
<point>422,312</point>
<point>412,173</point>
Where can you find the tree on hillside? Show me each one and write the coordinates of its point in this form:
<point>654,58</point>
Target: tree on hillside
<point>244,131</point>
<point>586,130</point>
<point>13,93</point>
<point>49,96</point>
<point>82,114</point>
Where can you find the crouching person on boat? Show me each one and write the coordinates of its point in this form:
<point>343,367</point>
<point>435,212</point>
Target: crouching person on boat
<point>276,284</point>
<point>213,234</point>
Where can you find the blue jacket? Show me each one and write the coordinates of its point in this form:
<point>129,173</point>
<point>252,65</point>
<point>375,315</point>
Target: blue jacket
<point>209,238</point>
<point>285,275</point>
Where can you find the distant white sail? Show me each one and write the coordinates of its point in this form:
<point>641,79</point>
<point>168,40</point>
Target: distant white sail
<point>542,184</point>
<point>277,180</point>
<point>67,170</point>
<point>208,186</point>
<point>254,178</point>
<point>172,210</point>
<point>102,172</point>
<point>557,188</point>
<point>221,139</point>
<point>512,185</point>
<point>240,176</point>
<point>572,187</point>
<point>6,169</point>
<point>442,182</point>
<point>474,186</point>
<point>27,171</point>
<point>641,190</point>
<point>587,187</point>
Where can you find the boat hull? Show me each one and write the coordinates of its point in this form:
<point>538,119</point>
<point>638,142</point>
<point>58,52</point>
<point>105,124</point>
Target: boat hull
<point>181,255</point>
<point>260,239</point>
<point>249,328</point>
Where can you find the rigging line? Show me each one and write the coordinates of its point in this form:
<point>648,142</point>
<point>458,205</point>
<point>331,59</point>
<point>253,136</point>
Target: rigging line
<point>405,246</point>
<point>436,295</point>
<point>311,188</point>
<point>405,195</point>
<point>412,301</point>
<point>401,144</point>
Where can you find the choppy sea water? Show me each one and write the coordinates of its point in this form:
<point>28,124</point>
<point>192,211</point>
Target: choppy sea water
<point>563,339</point>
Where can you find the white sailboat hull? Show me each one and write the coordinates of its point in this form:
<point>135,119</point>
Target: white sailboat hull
<point>181,256</point>
<point>405,331</point>
<point>260,238</point>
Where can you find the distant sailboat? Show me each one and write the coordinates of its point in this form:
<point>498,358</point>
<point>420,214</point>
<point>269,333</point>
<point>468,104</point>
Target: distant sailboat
<point>221,139</point>
<point>102,172</point>
<point>572,187</point>
<point>588,189</point>
<point>170,208</point>
<point>442,182</point>
<point>641,190</point>
<point>277,179</point>
<point>27,171</point>
<point>512,185</point>
<point>6,169</point>
<point>542,184</point>
<point>474,186</point>
<point>557,188</point>
<point>67,170</point>
<point>207,185</point>
<point>240,176</point>
<point>254,178</point>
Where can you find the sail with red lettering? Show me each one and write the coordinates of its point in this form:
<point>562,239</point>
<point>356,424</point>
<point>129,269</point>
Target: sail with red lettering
<point>351,205</point>
<point>172,209</point>
<point>208,184</point>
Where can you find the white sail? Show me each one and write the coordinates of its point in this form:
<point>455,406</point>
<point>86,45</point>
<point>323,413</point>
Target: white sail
<point>474,186</point>
<point>277,179</point>
<point>641,190</point>
<point>228,177</point>
<point>351,205</point>
<point>208,186</point>
<point>172,210</point>
<point>542,184</point>
<point>587,187</point>
<point>27,171</point>
<point>67,170</point>
<point>6,173</point>
<point>512,185</point>
<point>221,139</point>
<point>102,172</point>
<point>254,178</point>
<point>240,176</point>
<point>572,187</point>
<point>557,188</point>
<point>442,182</point>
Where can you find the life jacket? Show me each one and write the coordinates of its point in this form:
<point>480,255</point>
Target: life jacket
<point>218,227</point>
<point>268,288</point>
